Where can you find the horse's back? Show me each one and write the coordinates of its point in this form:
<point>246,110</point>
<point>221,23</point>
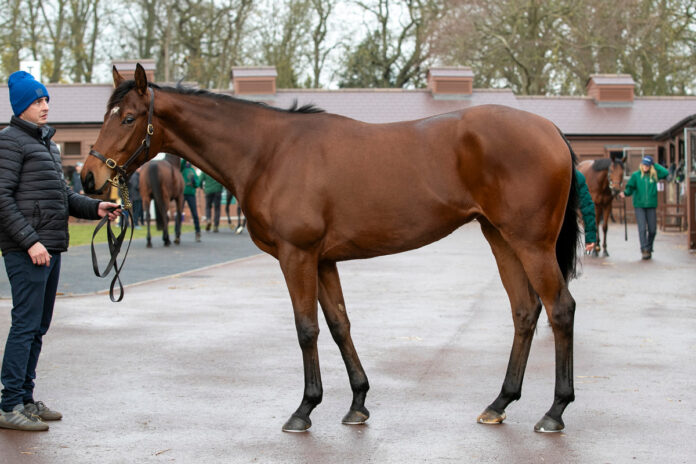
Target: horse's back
<point>366,190</point>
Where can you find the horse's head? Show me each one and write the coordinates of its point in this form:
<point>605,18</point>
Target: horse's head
<point>615,177</point>
<point>125,139</point>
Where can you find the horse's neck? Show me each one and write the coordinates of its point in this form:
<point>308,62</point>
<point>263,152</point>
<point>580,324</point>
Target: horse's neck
<point>223,138</point>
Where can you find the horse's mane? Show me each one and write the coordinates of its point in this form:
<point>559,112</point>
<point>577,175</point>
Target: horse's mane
<point>601,164</point>
<point>120,92</point>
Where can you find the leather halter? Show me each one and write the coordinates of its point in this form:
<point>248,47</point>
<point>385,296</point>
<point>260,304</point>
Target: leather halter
<point>121,171</point>
<point>119,181</point>
<point>614,191</point>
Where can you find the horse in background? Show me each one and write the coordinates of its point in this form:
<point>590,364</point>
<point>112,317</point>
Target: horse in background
<point>604,178</point>
<point>162,182</point>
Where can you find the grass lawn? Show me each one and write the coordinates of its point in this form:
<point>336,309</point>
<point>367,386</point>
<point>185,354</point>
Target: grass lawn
<point>81,233</point>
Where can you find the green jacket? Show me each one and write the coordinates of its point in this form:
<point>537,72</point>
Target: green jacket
<point>645,187</point>
<point>191,180</point>
<point>209,184</point>
<point>587,208</point>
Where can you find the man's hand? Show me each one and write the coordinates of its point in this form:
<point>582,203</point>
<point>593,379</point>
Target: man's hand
<point>112,209</point>
<point>589,247</point>
<point>622,195</point>
<point>39,254</point>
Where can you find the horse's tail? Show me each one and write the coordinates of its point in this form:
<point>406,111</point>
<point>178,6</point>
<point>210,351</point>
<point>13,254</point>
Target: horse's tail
<point>160,211</point>
<point>569,238</point>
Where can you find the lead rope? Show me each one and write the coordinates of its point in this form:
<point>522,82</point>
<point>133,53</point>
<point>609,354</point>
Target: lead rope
<point>115,241</point>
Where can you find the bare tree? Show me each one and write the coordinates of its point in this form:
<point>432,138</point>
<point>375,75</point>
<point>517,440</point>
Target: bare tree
<point>319,51</point>
<point>55,16</point>
<point>546,47</point>
<point>393,56</point>
<point>83,28</point>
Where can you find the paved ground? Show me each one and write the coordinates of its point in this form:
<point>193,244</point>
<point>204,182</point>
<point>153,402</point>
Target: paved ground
<point>143,264</point>
<point>204,367</point>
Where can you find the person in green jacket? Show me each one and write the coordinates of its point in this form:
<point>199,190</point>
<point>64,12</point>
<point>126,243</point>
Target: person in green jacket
<point>587,209</point>
<point>191,183</point>
<point>643,183</point>
<point>213,198</point>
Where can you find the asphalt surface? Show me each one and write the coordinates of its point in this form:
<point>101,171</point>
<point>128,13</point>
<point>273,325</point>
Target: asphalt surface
<point>144,264</point>
<point>204,366</point>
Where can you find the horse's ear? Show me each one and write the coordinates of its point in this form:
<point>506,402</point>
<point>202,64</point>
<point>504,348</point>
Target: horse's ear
<point>140,79</point>
<point>118,78</point>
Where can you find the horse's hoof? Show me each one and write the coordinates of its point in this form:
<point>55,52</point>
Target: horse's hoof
<point>491,416</point>
<point>297,424</point>
<point>167,244</point>
<point>149,245</point>
<point>605,254</point>
<point>548,425</point>
<point>177,241</point>
<point>356,417</point>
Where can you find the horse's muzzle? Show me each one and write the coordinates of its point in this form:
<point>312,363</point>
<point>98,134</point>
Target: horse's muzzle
<point>88,184</point>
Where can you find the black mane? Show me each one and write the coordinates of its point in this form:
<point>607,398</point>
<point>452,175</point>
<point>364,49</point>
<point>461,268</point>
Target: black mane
<point>601,164</point>
<point>120,92</point>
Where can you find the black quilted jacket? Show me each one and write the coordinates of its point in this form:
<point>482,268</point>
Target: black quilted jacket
<point>35,200</point>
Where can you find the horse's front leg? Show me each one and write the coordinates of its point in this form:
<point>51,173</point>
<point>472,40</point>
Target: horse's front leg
<point>300,270</point>
<point>605,227</point>
<point>334,308</point>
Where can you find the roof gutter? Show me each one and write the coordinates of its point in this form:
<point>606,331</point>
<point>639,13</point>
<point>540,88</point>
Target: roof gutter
<point>677,128</point>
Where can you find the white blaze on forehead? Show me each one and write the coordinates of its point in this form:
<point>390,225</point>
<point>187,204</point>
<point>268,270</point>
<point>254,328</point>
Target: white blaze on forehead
<point>115,110</point>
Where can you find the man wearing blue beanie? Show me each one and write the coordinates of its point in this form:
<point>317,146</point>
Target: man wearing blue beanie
<point>35,203</point>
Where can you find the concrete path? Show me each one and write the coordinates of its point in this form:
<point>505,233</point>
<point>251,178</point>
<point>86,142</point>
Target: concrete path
<point>204,367</point>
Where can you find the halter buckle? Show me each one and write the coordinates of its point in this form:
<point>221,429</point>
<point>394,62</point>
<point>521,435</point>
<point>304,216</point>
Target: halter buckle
<point>110,163</point>
<point>150,129</point>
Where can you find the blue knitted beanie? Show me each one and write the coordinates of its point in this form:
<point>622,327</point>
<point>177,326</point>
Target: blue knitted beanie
<point>24,90</point>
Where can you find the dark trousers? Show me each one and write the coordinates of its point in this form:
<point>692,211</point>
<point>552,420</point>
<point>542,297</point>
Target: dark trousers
<point>138,212</point>
<point>191,202</point>
<point>213,200</point>
<point>33,294</point>
<point>647,227</point>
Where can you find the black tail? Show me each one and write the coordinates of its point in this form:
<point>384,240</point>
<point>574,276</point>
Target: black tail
<point>569,238</point>
<point>160,207</point>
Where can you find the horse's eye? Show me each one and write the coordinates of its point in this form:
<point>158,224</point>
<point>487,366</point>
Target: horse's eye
<point>128,120</point>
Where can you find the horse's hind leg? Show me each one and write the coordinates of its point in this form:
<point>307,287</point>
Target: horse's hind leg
<point>547,280</point>
<point>300,270</point>
<point>526,307</point>
<point>146,205</point>
<point>334,308</point>
<point>177,222</point>
<point>165,220</point>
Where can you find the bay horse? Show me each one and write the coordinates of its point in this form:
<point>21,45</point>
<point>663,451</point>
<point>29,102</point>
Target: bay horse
<point>604,178</point>
<point>162,182</point>
<point>303,179</point>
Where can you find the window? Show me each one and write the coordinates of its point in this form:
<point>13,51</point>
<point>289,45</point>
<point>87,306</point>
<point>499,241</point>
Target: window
<point>72,150</point>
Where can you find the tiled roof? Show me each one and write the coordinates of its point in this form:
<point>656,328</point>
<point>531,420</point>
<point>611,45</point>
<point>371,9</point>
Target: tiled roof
<point>387,105</point>
<point>84,103</point>
<point>647,116</point>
